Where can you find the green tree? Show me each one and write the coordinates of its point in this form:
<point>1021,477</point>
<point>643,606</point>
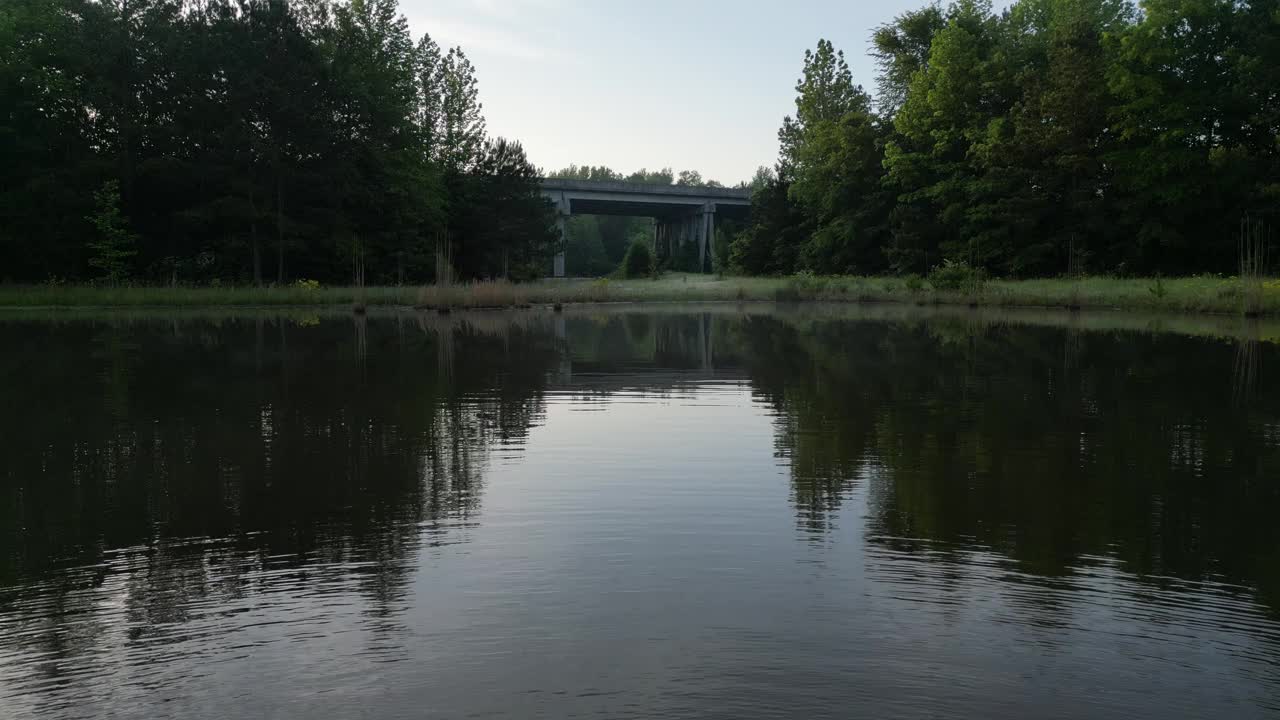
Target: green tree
<point>1189,128</point>
<point>461,126</point>
<point>115,245</point>
<point>825,92</point>
<point>770,242</point>
<point>901,49</point>
<point>690,178</point>
<point>838,172</point>
<point>959,97</point>
<point>502,225</point>
<point>638,262</point>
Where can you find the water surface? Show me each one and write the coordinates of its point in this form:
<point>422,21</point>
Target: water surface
<point>703,512</point>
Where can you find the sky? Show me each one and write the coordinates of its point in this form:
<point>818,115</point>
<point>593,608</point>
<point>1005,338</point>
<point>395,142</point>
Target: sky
<point>691,85</point>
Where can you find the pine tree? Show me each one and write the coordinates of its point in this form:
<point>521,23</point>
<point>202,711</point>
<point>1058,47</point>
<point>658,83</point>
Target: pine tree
<point>115,245</point>
<point>430,71</point>
<point>824,93</point>
<point>461,128</point>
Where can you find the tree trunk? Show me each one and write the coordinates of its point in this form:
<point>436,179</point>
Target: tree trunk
<point>253,239</point>
<point>279,227</point>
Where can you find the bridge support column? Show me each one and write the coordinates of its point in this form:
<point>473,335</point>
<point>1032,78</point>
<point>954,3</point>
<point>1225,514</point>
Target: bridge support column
<point>558,264</point>
<point>700,223</point>
<point>709,232</point>
<point>562,215</point>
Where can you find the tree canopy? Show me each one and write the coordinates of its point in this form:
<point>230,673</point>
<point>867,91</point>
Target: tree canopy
<point>251,141</point>
<point>1054,133</point>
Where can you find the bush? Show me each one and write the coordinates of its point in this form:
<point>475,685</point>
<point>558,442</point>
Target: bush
<point>638,261</point>
<point>955,275</point>
<point>914,283</point>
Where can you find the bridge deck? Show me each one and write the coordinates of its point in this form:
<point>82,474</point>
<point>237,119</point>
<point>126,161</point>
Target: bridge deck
<point>581,197</point>
<point>684,213</point>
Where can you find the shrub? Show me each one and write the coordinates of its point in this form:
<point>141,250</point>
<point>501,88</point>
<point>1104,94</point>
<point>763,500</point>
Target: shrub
<point>638,262</point>
<point>1158,290</point>
<point>305,284</point>
<point>914,283</point>
<point>955,275</point>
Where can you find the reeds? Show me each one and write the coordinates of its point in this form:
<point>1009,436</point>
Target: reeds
<point>357,276</point>
<point>1253,264</point>
<point>475,295</point>
<point>1075,271</point>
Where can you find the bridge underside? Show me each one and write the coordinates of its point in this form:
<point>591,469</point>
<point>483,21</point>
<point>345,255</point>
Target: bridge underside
<point>683,214</point>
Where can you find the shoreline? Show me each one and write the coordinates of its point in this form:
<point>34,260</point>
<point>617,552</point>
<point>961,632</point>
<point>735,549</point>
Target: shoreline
<point>1210,326</point>
<point>1204,295</point>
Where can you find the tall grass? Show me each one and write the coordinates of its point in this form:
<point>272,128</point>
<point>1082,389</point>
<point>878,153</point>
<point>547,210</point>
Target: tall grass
<point>67,296</point>
<point>1185,295</point>
<point>1253,264</point>
<point>480,294</point>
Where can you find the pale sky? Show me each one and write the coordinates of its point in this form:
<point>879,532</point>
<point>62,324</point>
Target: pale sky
<point>698,84</point>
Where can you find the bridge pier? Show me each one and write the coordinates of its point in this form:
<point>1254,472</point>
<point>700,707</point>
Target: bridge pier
<point>562,216</point>
<point>697,227</point>
<point>711,237</point>
<point>682,214</point>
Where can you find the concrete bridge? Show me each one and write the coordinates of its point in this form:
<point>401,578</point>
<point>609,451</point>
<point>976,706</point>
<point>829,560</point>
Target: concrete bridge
<point>684,214</point>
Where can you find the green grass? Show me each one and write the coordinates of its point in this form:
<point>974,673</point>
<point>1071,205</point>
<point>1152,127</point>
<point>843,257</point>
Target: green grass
<point>1206,294</point>
<point>55,296</point>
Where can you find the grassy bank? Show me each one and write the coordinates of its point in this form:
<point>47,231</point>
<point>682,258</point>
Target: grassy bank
<point>1181,295</point>
<point>71,296</point>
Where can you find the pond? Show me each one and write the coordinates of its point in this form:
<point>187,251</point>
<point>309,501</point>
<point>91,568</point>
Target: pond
<point>710,511</point>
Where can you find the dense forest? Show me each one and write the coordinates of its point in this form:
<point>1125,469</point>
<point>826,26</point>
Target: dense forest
<point>263,141</point>
<point>250,141</point>
<point>1054,136</point>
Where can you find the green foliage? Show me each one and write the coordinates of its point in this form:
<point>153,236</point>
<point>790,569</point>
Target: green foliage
<point>114,245</point>
<point>824,93</point>
<point>253,141</point>
<point>1157,289</point>
<point>956,276</point>
<point>901,49</point>
<point>1029,138</point>
<point>638,261</point>
<point>1202,294</point>
<point>770,242</point>
<point>598,243</point>
<point>503,227</point>
<point>914,283</point>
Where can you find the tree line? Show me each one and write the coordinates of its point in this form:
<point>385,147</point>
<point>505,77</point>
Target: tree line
<point>1055,136</point>
<point>252,141</point>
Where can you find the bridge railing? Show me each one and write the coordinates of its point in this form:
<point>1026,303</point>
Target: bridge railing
<point>650,188</point>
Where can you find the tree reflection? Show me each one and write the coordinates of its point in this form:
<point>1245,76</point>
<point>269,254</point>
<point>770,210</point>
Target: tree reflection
<point>196,456</point>
<point>1046,445</point>
<point>214,460</point>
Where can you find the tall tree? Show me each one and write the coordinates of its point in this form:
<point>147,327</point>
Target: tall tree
<point>825,92</point>
<point>901,49</point>
<point>959,97</point>
<point>1183,123</point>
<point>504,226</point>
<point>461,127</point>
